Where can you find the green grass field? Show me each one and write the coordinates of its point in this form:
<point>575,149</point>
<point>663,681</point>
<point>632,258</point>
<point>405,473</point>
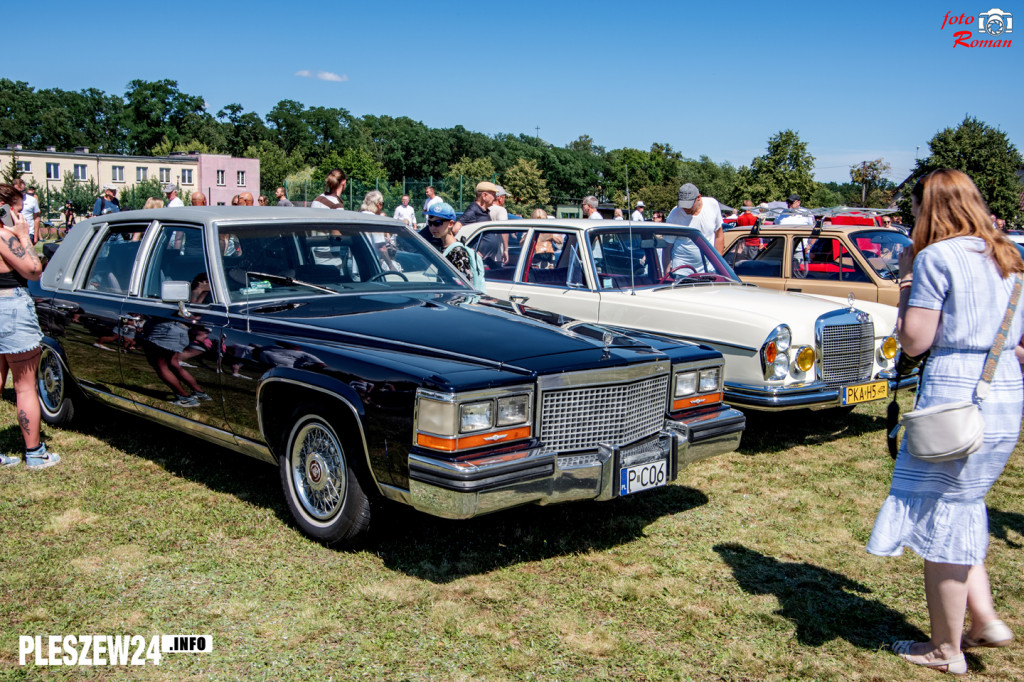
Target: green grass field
<point>751,566</point>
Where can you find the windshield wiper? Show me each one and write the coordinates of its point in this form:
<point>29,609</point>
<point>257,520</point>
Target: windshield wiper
<point>704,278</point>
<point>290,281</point>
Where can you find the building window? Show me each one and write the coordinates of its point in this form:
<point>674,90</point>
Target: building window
<point>220,178</point>
<point>53,171</point>
<point>117,173</point>
<point>80,172</point>
<point>241,178</point>
<point>141,173</point>
<point>186,176</point>
<point>165,175</point>
<point>24,166</point>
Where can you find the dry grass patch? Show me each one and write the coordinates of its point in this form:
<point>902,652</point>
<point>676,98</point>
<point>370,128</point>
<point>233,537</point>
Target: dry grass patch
<point>68,520</point>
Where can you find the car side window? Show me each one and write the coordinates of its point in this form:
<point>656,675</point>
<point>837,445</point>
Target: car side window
<point>111,270</point>
<point>561,268</point>
<point>178,255</point>
<point>826,259</point>
<point>500,251</point>
<point>757,256</point>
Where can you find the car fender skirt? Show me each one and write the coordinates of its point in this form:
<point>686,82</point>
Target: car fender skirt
<point>317,382</point>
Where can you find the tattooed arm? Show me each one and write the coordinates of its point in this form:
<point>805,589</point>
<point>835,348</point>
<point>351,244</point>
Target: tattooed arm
<point>17,251</point>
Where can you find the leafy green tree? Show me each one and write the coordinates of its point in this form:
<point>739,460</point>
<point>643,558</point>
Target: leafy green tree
<point>712,179</point>
<point>871,176</point>
<point>584,144</point>
<point>10,171</point>
<point>165,147</point>
<point>461,178</point>
<point>785,168</point>
<point>982,152</point>
<point>288,128</point>
<point>241,129</point>
<point>82,195</point>
<point>524,181</point>
<point>158,109</point>
<point>275,165</point>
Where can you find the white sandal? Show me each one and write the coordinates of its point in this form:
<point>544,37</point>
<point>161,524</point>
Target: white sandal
<point>994,634</point>
<point>954,666</point>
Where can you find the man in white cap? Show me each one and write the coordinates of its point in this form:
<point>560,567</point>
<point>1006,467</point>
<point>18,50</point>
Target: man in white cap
<point>171,192</point>
<point>108,202</point>
<point>637,216</point>
<point>497,210</point>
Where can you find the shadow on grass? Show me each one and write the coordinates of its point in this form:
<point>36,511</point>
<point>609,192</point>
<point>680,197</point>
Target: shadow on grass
<point>441,550</point>
<point>822,604</point>
<point>415,543</point>
<point>779,431</point>
<point>999,522</point>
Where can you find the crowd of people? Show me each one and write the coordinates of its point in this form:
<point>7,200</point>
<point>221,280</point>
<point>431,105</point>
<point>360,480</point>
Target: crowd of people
<point>955,285</point>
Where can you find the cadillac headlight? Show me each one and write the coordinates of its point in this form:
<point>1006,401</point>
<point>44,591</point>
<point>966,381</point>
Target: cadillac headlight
<point>513,410</point>
<point>686,384</point>
<point>709,379</point>
<point>476,416</point>
<point>449,422</point>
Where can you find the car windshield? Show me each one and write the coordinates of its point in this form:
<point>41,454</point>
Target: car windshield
<point>655,256</point>
<point>881,250</point>
<point>289,260</point>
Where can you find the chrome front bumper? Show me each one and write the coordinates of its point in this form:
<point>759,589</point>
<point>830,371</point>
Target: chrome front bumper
<point>460,490</point>
<point>814,395</point>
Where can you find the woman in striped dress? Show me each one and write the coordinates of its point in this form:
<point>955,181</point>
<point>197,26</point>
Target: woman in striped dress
<point>954,291</point>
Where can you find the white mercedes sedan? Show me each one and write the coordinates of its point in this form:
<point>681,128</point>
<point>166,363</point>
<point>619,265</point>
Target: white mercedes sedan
<point>782,350</point>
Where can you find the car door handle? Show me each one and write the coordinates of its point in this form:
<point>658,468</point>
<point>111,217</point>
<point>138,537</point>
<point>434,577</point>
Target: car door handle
<point>521,300</point>
<point>794,289</point>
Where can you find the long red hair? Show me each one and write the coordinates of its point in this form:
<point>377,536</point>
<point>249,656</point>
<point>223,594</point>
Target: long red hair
<point>950,205</point>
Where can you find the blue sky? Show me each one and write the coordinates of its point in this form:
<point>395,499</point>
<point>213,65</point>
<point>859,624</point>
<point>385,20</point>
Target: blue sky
<point>855,80</point>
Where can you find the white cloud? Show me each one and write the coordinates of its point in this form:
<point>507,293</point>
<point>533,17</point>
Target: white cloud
<point>305,73</point>
<point>333,77</point>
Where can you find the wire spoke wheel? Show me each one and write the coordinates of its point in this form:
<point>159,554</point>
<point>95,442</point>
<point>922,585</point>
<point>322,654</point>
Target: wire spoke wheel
<point>318,471</point>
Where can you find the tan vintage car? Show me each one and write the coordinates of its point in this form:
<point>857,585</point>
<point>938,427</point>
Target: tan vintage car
<point>834,260</point>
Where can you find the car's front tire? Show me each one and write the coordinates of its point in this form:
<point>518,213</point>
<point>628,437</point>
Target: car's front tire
<point>321,487</point>
<point>53,386</point>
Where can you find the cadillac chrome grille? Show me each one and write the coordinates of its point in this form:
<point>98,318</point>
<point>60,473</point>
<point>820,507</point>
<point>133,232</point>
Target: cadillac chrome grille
<point>847,353</point>
<point>618,414</point>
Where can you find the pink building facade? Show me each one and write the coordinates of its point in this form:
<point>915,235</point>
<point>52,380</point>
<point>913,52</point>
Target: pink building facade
<point>221,177</point>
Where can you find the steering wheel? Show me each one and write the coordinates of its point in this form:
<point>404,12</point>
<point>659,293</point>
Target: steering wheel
<point>384,273</point>
<point>668,275</point>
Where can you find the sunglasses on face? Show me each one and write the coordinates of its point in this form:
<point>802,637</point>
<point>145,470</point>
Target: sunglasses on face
<point>436,223</point>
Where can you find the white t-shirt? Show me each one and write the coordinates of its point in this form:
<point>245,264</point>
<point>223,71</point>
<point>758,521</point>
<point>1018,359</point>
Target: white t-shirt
<point>637,216</point>
<point>406,214</point>
<point>332,199</point>
<point>176,201</point>
<point>29,211</point>
<point>430,202</point>
<point>795,219</point>
<point>708,221</point>
<point>596,215</point>
<point>497,212</point>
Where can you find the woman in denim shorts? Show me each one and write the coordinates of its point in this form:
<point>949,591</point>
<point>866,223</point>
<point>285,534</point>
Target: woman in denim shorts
<point>19,328</point>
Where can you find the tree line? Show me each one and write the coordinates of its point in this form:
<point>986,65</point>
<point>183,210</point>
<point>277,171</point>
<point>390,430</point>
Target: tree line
<point>295,142</point>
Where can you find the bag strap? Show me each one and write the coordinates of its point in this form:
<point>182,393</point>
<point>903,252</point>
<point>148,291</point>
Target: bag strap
<point>992,360</point>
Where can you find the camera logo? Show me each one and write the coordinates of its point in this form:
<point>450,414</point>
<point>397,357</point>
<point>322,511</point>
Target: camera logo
<point>995,22</point>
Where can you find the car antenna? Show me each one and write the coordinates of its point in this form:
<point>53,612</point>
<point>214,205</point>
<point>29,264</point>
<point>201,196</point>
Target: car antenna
<point>632,273</point>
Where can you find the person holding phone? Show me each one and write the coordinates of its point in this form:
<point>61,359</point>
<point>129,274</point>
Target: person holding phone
<point>20,335</point>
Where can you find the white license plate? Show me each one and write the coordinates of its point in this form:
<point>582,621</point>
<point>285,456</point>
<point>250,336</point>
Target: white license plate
<point>639,477</point>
